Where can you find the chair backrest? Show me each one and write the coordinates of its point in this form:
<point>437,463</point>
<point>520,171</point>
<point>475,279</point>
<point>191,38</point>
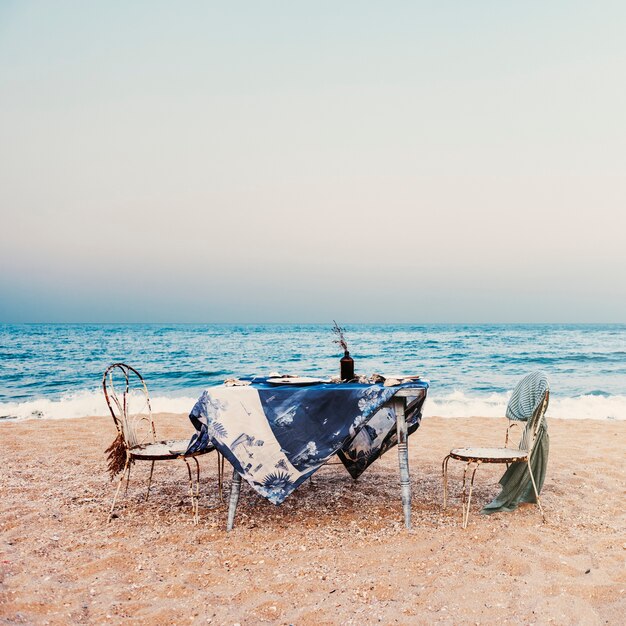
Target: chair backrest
<point>128,400</point>
<point>529,436</point>
<point>529,403</point>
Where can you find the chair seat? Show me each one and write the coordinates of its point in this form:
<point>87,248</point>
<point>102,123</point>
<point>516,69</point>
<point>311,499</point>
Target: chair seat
<point>161,450</point>
<point>489,455</point>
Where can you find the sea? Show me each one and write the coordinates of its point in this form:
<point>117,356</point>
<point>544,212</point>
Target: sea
<point>50,371</point>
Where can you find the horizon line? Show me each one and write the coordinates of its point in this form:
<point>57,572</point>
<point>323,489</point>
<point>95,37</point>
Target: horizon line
<point>292,323</point>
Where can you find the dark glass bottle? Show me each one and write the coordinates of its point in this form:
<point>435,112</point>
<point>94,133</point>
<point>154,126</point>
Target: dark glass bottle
<point>347,366</point>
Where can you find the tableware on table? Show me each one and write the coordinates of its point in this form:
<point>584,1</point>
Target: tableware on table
<point>296,380</point>
<point>403,376</point>
<point>399,379</point>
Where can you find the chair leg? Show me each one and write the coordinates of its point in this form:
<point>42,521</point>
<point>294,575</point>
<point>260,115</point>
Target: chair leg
<point>469,498</point>
<point>234,499</point>
<point>444,471</point>
<point>117,491</point>
<point>150,480</point>
<point>532,478</point>
<point>127,479</point>
<point>464,491</point>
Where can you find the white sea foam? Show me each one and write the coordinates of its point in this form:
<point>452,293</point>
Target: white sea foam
<point>456,404</point>
<point>85,403</point>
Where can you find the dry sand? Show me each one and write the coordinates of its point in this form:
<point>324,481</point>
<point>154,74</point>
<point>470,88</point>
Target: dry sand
<point>334,553</point>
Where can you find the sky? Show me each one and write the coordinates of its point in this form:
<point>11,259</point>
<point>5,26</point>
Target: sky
<point>308,161</point>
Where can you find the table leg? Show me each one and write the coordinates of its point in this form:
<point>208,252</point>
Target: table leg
<point>234,499</point>
<point>403,458</point>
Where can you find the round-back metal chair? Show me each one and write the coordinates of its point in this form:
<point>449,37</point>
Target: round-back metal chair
<point>127,397</point>
<point>529,403</point>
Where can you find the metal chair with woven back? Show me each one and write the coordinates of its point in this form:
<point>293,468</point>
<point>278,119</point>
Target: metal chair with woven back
<point>526,464</point>
<point>127,397</point>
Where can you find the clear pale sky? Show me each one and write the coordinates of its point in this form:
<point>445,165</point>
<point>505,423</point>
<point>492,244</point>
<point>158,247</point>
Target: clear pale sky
<point>304,161</point>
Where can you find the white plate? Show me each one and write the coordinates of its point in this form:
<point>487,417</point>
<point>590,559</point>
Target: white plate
<point>403,377</point>
<point>296,380</point>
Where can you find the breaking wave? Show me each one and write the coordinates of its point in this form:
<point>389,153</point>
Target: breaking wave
<point>83,404</point>
<point>591,406</point>
<point>455,404</point>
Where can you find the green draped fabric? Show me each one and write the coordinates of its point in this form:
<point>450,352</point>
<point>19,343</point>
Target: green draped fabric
<point>516,484</point>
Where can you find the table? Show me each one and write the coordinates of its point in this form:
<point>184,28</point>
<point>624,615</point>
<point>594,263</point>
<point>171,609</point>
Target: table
<point>277,436</point>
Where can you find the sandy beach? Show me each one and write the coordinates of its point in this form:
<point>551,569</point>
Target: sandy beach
<point>335,552</point>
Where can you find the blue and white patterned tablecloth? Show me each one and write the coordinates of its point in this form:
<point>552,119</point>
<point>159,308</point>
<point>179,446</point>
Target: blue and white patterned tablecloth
<point>276,436</point>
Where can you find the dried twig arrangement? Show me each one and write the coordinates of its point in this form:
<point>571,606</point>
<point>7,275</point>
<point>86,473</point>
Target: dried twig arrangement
<point>116,457</point>
<point>340,338</point>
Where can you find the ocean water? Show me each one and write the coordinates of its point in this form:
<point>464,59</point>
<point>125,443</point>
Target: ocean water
<point>55,370</point>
